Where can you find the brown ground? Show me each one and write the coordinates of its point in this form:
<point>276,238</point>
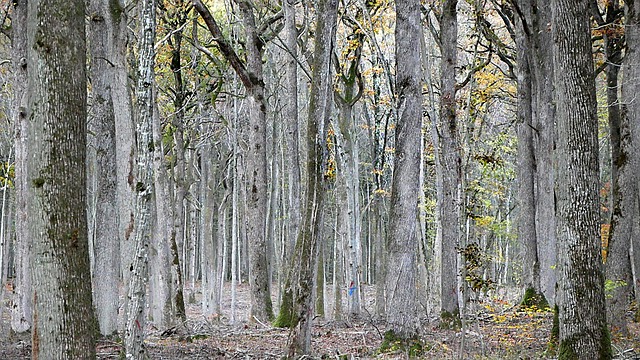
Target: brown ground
<point>495,329</point>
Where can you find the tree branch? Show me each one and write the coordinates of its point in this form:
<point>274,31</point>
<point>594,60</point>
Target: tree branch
<point>224,46</point>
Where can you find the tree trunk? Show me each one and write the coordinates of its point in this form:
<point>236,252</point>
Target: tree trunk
<point>161,289</point>
<point>106,270</point>
<point>624,185</point>
<point>21,313</point>
<point>544,144</point>
<point>144,185</point>
<point>581,301</point>
<point>292,138</point>
<point>306,252</point>
<point>448,169</point>
<point>402,239</point>
<point>630,141</point>
<point>526,162</point>
<point>63,317</point>
<point>125,138</point>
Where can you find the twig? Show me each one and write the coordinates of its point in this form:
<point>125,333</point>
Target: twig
<point>372,324</point>
<point>261,323</point>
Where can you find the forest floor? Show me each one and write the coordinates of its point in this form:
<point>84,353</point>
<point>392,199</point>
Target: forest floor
<point>495,328</point>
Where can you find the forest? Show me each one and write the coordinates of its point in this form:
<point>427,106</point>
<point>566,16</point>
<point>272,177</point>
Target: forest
<point>299,179</point>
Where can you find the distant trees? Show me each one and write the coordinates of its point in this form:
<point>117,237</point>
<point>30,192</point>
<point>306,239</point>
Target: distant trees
<point>214,185</point>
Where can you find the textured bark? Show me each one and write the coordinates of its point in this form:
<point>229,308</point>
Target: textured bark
<point>623,185</point>
<point>306,252</point>
<point>544,144</point>
<point>63,318</point>
<point>448,164</point>
<point>144,186</point>
<point>21,312</point>
<point>348,173</point>
<point>630,140</point>
<point>102,127</point>
<point>123,112</point>
<point>176,24</point>
<point>161,289</point>
<point>402,239</point>
<point>580,299</point>
<point>526,157</point>
<point>293,134</point>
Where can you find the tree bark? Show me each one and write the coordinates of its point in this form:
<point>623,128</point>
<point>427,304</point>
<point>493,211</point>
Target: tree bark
<point>581,302</point>
<point>402,238</point>
<point>307,245</point>
<point>526,160</point>
<point>449,165</point>
<point>102,126</point>
<point>293,134</point>
<point>623,184</point>
<point>544,145</point>
<point>144,185</point>
<point>63,318</point>
<point>630,140</point>
<point>21,313</point>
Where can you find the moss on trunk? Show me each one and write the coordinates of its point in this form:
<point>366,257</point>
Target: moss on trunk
<point>534,298</point>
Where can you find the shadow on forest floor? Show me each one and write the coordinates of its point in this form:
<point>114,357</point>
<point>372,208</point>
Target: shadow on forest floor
<point>495,329</point>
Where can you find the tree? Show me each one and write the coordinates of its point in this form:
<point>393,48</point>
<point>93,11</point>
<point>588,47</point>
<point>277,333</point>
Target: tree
<point>583,332</point>
<point>21,313</point>
<point>63,318</point>
<point>402,239</point>
<point>293,133</point>
<point>103,177</point>
<point>449,165</point>
<point>544,144</point>
<point>144,185</point>
<point>630,140</point>
<point>526,158</point>
<point>623,183</point>
<point>305,263</point>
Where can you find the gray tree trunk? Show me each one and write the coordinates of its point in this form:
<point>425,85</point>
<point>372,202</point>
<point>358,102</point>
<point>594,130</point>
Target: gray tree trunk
<point>448,166</point>
<point>293,134</point>
<point>581,301</point>
<point>307,245</point>
<point>161,310</point>
<point>402,238</point>
<point>63,317</point>
<point>526,159</point>
<point>102,127</point>
<point>630,141</point>
<point>144,183</point>
<point>21,313</point>
<point>543,123</point>
<point>623,185</point>
<point>125,155</point>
